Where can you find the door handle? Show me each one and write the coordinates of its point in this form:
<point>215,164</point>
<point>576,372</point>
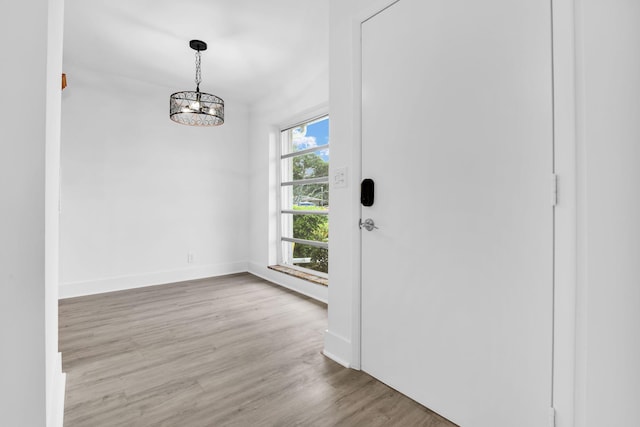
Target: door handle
<point>368,224</point>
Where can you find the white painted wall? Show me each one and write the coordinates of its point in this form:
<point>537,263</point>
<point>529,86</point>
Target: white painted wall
<point>304,98</point>
<point>608,64</point>
<point>140,192</point>
<point>29,138</point>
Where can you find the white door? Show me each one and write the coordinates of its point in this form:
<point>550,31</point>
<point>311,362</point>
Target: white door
<point>457,280</point>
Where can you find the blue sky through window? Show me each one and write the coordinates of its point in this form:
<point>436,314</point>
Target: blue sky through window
<point>316,135</point>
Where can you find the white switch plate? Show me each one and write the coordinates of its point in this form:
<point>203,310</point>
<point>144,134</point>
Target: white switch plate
<point>339,178</point>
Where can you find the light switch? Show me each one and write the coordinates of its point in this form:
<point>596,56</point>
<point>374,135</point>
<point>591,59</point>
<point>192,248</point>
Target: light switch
<point>339,178</point>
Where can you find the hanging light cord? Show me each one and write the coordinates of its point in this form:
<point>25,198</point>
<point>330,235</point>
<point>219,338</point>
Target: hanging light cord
<point>198,72</point>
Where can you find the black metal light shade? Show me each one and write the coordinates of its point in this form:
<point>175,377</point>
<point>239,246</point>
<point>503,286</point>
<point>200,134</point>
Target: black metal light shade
<point>195,108</point>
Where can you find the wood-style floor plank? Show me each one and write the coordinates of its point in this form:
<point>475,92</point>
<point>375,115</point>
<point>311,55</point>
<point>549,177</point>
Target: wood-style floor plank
<point>229,351</point>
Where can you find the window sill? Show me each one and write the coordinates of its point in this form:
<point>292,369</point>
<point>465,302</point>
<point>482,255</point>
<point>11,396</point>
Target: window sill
<point>301,275</point>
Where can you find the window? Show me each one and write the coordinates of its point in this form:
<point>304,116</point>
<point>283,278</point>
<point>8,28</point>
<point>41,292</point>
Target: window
<point>304,197</point>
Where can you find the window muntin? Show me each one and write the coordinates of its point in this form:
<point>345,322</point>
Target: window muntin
<point>304,198</point>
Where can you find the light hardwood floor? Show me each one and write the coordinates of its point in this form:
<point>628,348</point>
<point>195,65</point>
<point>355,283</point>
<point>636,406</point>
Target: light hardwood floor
<point>228,351</point>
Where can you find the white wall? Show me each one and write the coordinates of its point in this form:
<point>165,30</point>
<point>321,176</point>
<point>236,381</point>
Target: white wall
<point>304,98</point>
<point>28,147</point>
<point>140,192</point>
<point>608,64</point>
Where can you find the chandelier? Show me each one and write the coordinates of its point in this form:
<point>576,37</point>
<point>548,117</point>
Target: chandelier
<point>196,108</point>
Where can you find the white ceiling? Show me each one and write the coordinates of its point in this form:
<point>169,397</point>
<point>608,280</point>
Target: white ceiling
<point>254,46</point>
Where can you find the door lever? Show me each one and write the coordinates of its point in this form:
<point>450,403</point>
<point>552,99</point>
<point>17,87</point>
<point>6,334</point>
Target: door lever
<point>368,224</point>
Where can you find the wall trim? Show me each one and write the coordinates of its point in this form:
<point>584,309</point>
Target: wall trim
<point>363,15</point>
<point>120,283</point>
<point>312,290</point>
<point>581,271</point>
<point>56,416</point>
<point>565,213</point>
<point>338,349</point>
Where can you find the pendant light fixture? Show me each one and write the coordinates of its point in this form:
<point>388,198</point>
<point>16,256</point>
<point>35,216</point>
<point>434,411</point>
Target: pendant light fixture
<point>196,108</point>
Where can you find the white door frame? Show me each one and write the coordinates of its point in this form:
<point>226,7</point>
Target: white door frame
<point>372,9</point>
<point>565,216</point>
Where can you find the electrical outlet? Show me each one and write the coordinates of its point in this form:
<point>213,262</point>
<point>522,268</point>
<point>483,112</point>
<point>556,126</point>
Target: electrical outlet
<point>190,257</point>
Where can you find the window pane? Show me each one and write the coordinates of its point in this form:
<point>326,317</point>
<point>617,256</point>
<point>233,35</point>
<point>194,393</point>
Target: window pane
<point>307,148</point>
<point>306,227</point>
<point>305,197</point>
<point>306,166</point>
<point>305,256</point>
<point>309,135</point>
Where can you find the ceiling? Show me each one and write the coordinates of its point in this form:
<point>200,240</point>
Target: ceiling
<point>254,46</point>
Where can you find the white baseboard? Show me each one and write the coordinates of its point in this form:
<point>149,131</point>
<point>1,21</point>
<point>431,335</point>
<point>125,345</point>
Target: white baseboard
<point>336,359</point>
<point>304,287</point>
<point>337,348</point>
<point>111,284</point>
<point>56,416</point>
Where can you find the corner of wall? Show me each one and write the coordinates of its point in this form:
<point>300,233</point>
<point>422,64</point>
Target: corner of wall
<point>120,283</point>
<point>338,349</point>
